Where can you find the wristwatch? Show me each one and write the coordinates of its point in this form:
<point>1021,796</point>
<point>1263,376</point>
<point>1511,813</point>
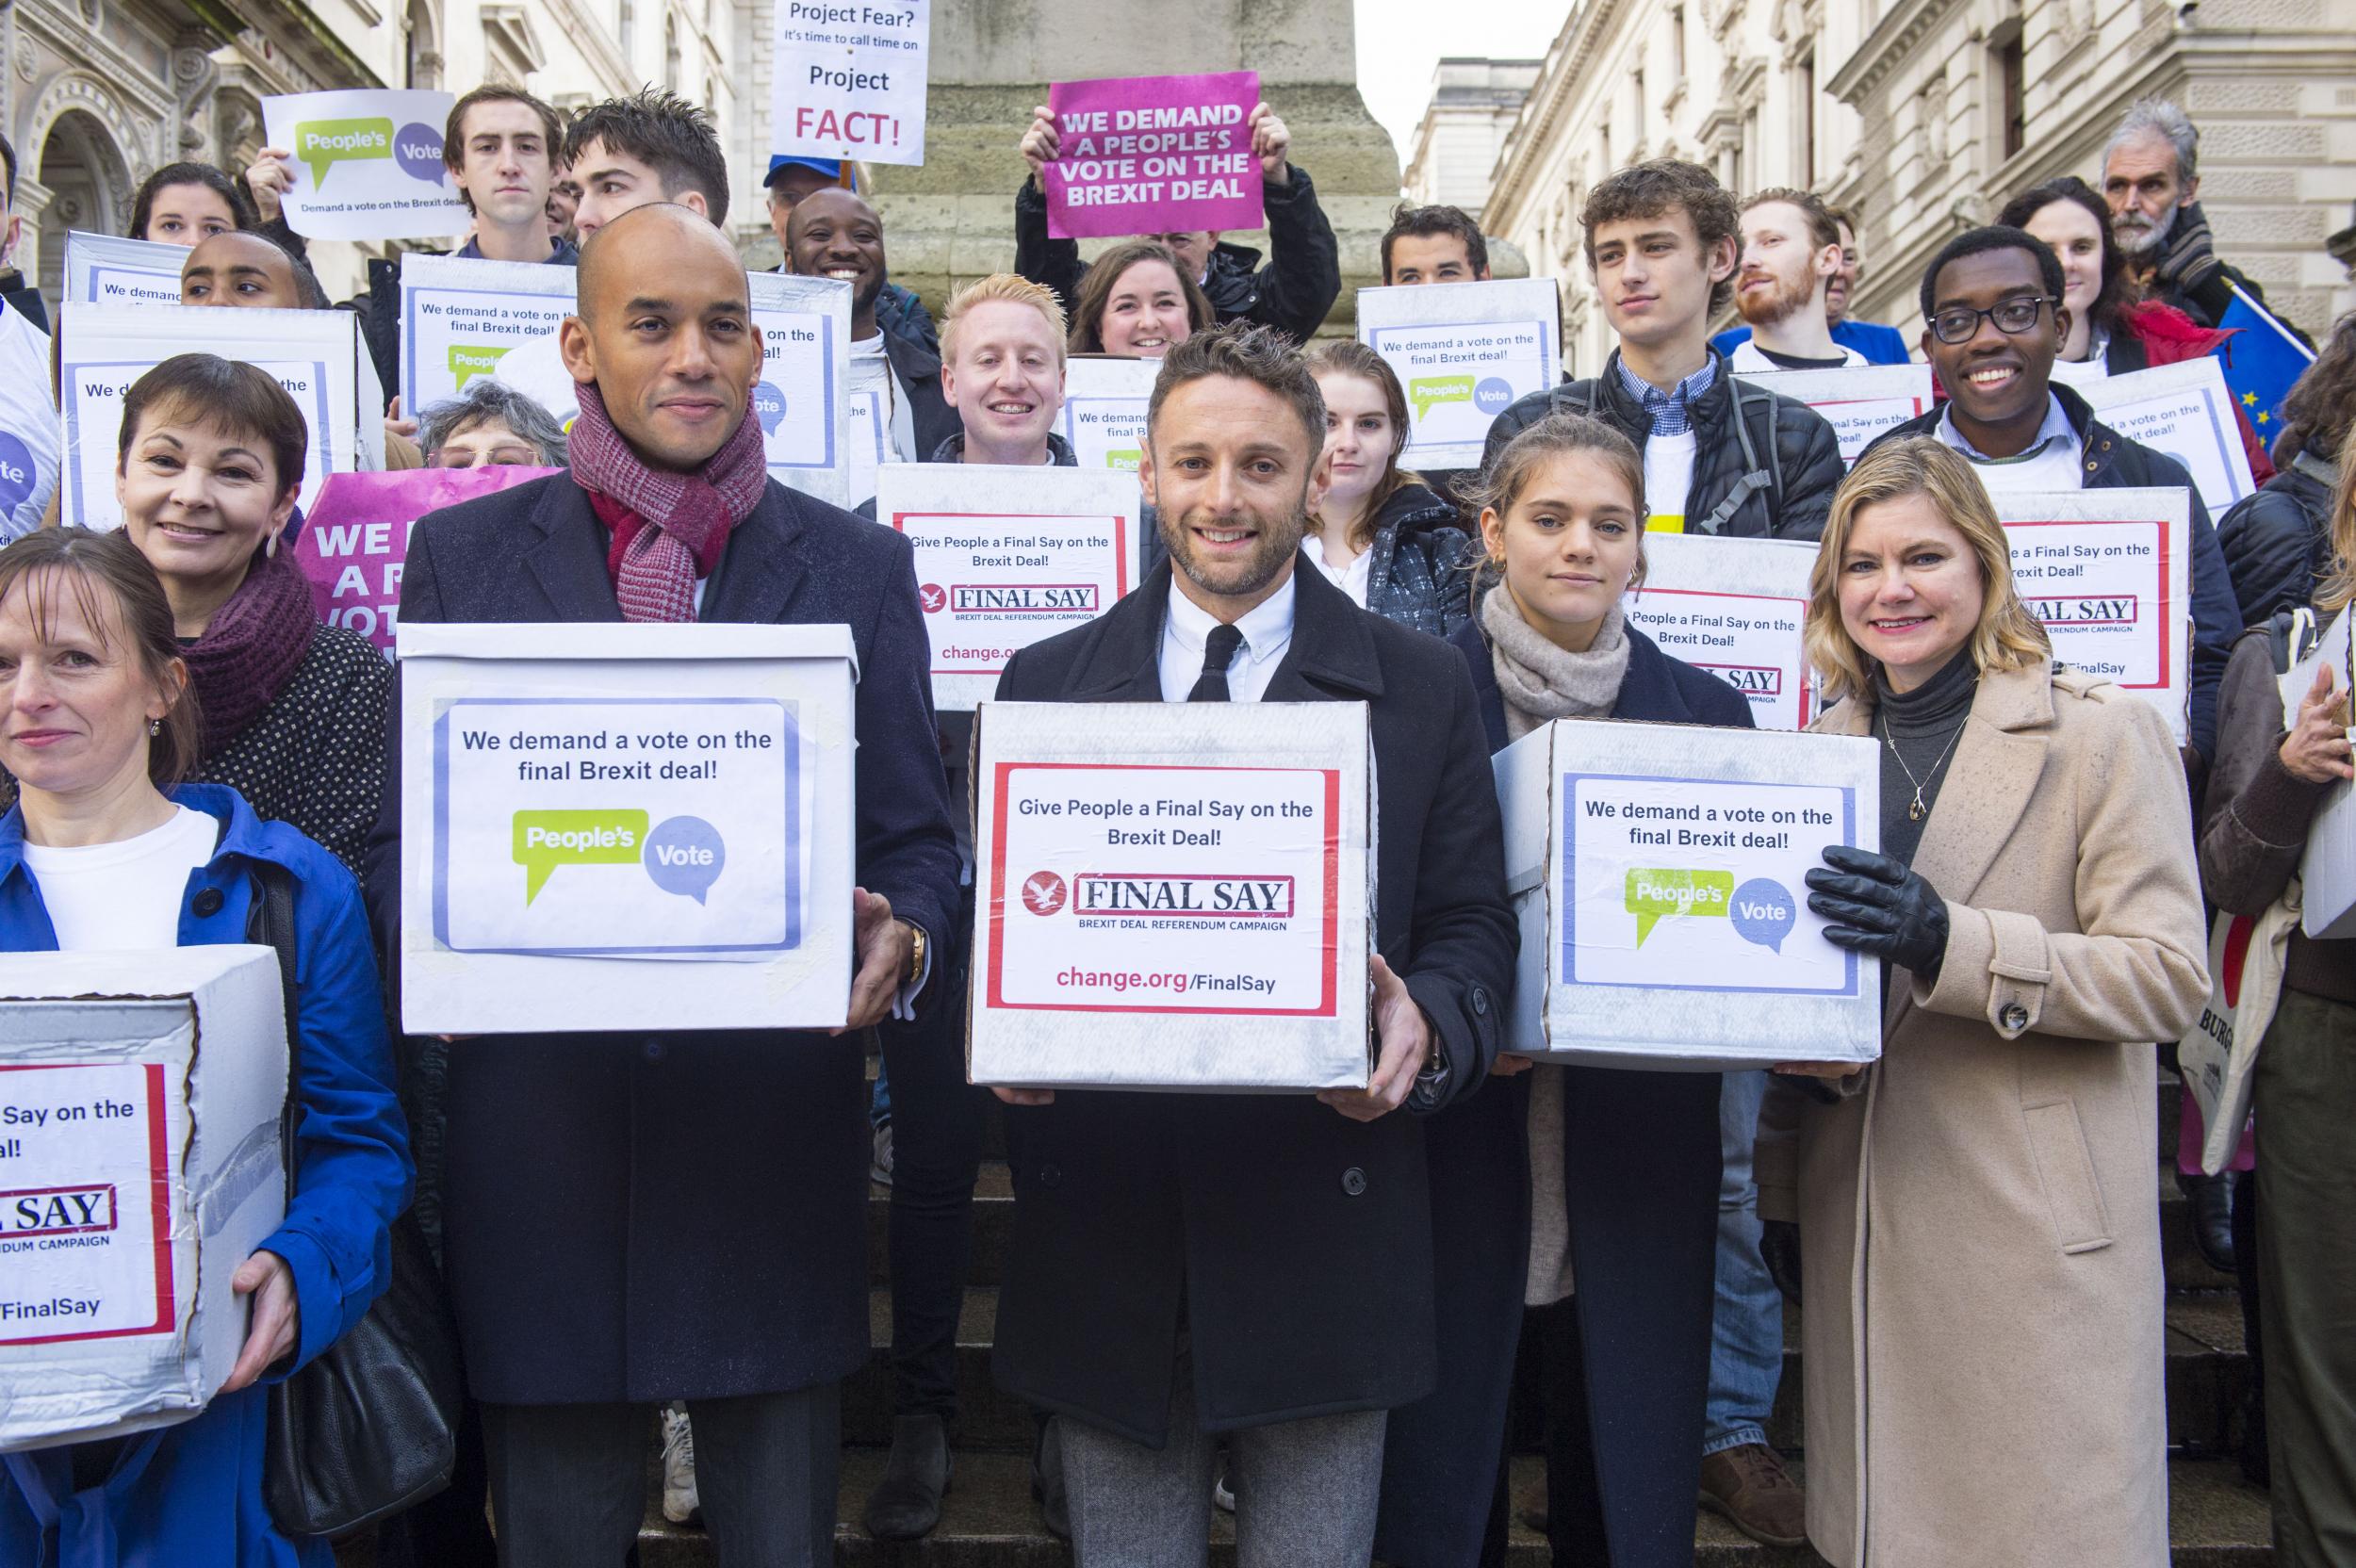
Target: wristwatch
<point>916,952</point>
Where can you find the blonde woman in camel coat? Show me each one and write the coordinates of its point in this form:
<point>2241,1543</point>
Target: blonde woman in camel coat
<point>1981,1250</point>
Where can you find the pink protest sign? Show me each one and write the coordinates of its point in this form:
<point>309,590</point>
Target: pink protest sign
<point>355,540</point>
<point>1152,155</point>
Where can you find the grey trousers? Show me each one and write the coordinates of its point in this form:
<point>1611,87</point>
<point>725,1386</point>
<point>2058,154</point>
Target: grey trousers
<point>1306,1491</point>
<point>2305,1094</point>
<point>568,1482</point>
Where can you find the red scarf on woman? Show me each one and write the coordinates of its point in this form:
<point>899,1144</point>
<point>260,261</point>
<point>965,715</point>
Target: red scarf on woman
<point>252,647</point>
<point>669,528</point>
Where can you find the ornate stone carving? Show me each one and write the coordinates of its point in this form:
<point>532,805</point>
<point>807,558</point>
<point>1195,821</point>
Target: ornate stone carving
<point>194,76</point>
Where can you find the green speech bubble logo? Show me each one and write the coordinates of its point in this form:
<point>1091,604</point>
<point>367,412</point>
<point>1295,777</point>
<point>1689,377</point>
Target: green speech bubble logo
<point>467,361</point>
<point>547,840</point>
<point>324,143</point>
<point>1655,894</point>
<point>1429,392</point>
<point>1125,459</point>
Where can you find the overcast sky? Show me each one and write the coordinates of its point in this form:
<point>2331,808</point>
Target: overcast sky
<point>1399,42</point>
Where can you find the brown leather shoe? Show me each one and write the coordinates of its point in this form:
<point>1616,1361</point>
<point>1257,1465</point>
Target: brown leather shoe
<point>1750,1486</point>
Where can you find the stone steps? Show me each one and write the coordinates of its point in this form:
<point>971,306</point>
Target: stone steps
<point>989,1521</point>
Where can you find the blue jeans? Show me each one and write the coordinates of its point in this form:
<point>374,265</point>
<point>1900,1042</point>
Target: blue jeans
<point>1746,1328</point>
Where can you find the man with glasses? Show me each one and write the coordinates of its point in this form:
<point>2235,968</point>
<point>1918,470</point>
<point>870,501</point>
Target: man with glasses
<point>1992,301</point>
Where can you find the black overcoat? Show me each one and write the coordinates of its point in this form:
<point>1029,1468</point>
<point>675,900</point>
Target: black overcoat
<point>1295,1243</point>
<point>678,1215</point>
<point>1640,1177</point>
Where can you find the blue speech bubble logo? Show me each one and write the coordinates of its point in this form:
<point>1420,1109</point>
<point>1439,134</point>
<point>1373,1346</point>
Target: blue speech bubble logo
<point>768,407</point>
<point>16,472</point>
<point>1491,394</point>
<point>1763,912</point>
<point>418,151</point>
<point>684,856</point>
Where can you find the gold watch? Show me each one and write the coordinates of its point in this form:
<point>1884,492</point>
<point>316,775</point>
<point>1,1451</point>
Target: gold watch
<point>916,952</point>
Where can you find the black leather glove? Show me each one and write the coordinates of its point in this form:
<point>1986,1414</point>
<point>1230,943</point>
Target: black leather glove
<point>1881,907</point>
<point>1779,1248</point>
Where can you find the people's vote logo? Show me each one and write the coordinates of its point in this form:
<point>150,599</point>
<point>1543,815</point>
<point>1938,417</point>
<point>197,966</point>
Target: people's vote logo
<point>1763,912</point>
<point>934,598</point>
<point>16,473</point>
<point>768,407</point>
<point>469,360</point>
<point>685,856</point>
<point>1492,393</point>
<point>1042,892</point>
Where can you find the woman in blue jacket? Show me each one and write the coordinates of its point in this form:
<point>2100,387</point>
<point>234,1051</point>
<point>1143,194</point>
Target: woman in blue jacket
<point>1591,1191</point>
<point>100,851</point>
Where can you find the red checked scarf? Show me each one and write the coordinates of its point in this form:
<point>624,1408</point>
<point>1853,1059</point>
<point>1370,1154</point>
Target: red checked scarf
<point>668,528</point>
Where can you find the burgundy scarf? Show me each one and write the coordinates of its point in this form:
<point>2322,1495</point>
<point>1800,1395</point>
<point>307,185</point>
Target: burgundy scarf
<point>251,648</point>
<point>669,528</point>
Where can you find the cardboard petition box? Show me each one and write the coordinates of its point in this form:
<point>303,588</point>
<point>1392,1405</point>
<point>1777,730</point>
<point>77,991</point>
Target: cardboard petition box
<point>625,826</point>
<point>1173,896</point>
<point>140,1165</point>
<point>2328,871</point>
<point>1655,869</point>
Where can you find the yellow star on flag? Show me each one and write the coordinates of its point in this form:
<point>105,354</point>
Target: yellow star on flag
<point>2250,398</point>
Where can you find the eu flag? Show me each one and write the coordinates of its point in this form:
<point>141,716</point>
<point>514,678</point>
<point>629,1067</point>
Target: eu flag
<point>2260,361</point>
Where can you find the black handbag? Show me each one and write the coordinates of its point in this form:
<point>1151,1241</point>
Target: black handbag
<point>368,1428</point>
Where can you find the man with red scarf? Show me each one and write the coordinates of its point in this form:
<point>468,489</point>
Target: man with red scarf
<point>632,1219</point>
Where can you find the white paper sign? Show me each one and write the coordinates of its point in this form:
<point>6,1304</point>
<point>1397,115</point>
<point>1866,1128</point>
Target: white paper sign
<point>851,80</point>
<point>805,372</point>
<point>1173,895</point>
<point>314,355</point>
<point>2327,870</point>
<point>31,446</point>
<point>1463,351</point>
<point>1735,607</point>
<point>367,164</point>
<point>1007,557</point>
<point>567,817</point>
<point>2184,411</point>
<point>2106,572</point>
<point>625,826</point>
<point>102,1126</point>
<point>1103,410</point>
<point>107,270</point>
<point>1858,401</point>
<point>462,316</point>
<point>867,449</point>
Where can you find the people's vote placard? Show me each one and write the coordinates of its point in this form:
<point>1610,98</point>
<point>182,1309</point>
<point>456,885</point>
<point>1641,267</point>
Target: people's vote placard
<point>108,270</point>
<point>2185,412</point>
<point>315,354</point>
<point>1105,398</point>
<point>462,317</point>
<point>634,826</point>
<point>1657,871</point>
<point>1860,401</point>
<point>1173,894</point>
<point>804,369</point>
<point>1735,607</point>
<point>2106,571</point>
<point>367,163</point>
<point>1007,557</point>
<point>1463,351</point>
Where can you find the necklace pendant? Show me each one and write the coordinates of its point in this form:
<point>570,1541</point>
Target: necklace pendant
<point>1914,811</point>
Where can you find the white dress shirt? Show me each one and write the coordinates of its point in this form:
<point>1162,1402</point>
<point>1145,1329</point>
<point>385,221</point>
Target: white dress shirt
<point>2049,462</point>
<point>1268,629</point>
<point>1354,579</point>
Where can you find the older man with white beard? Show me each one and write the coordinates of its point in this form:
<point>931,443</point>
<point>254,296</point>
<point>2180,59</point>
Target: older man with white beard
<point>1790,256</point>
<point>2152,178</point>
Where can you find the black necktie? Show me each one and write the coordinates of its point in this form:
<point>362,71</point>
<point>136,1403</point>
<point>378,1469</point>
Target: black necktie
<point>1218,652</point>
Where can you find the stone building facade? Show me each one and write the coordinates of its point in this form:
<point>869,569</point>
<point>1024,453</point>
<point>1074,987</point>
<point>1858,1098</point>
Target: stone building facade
<point>1474,104</point>
<point>1924,116</point>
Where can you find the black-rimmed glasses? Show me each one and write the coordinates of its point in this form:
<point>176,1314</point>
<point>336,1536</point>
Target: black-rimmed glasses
<point>2013,317</point>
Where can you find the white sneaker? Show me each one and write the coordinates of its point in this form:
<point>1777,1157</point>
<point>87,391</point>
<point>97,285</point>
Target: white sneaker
<point>680,1505</point>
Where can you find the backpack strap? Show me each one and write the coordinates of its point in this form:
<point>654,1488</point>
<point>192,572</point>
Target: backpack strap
<point>272,926</point>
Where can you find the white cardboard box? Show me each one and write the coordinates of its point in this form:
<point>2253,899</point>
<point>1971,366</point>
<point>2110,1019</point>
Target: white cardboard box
<point>1008,556</point>
<point>140,1165</point>
<point>1735,607</point>
<point>1656,873</point>
<point>1173,895</point>
<point>1860,401</point>
<point>2108,573</point>
<point>2185,411</point>
<point>1104,401</point>
<point>1463,352</point>
<point>2327,871</point>
<point>625,826</point>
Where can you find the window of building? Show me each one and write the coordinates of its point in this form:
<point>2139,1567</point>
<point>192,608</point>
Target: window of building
<point>670,52</point>
<point>1636,80</point>
<point>1676,46</point>
<point>1807,120</point>
<point>2012,129</point>
<point>626,25</point>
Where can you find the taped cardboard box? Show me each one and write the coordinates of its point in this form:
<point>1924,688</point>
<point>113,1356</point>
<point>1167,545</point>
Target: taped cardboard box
<point>2107,573</point>
<point>625,828</point>
<point>2328,868</point>
<point>1173,896</point>
<point>1734,607</point>
<point>140,1165</point>
<point>1655,874</point>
